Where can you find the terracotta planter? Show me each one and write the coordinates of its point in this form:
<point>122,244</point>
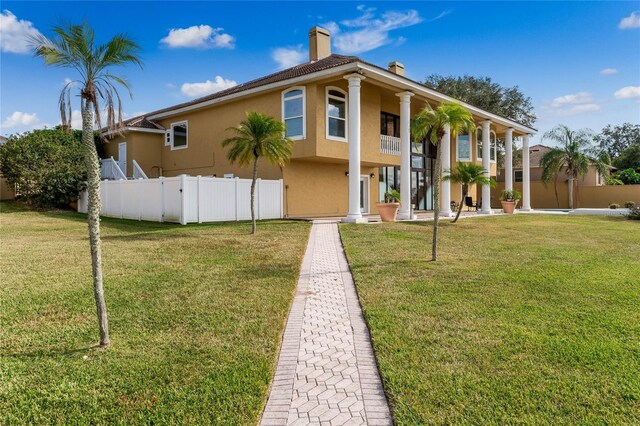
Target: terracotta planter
<point>508,206</point>
<point>388,211</point>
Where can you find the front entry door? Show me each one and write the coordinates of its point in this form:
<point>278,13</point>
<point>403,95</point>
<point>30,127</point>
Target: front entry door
<point>364,194</point>
<point>122,157</point>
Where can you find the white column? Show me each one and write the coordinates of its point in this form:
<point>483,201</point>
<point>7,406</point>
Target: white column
<point>526,176</point>
<point>508,159</point>
<point>486,156</point>
<point>405,156</point>
<point>445,193</point>
<point>353,123</point>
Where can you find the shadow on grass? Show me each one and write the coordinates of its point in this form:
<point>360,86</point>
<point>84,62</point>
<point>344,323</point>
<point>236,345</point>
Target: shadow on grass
<point>53,352</point>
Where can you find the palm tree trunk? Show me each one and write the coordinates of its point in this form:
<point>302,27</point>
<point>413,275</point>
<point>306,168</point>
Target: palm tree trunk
<point>464,195</point>
<point>93,218</point>
<point>253,195</point>
<point>436,203</point>
<point>570,191</point>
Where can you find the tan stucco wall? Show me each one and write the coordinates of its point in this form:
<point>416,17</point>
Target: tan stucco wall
<point>6,191</point>
<point>584,196</point>
<point>589,179</point>
<point>322,189</point>
<point>143,147</point>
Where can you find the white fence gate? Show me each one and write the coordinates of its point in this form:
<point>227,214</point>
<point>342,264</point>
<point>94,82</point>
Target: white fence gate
<point>188,199</point>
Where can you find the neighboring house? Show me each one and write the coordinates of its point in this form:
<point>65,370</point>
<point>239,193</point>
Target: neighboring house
<point>590,191</point>
<point>350,123</point>
<point>536,152</point>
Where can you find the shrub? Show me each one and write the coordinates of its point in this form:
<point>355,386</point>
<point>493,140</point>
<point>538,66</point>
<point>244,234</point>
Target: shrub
<point>510,195</point>
<point>392,196</point>
<point>628,176</point>
<point>629,204</point>
<point>613,181</point>
<point>614,206</point>
<point>634,213</point>
<point>46,166</point>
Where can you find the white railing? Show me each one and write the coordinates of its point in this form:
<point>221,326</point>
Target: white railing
<point>187,199</point>
<point>138,173</point>
<point>389,145</point>
<point>109,169</point>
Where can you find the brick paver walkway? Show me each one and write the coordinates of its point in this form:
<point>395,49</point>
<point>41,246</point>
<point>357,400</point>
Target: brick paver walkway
<point>326,374</point>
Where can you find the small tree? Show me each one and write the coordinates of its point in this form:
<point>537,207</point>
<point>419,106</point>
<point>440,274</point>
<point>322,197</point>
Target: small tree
<point>573,156</point>
<point>259,135</point>
<point>467,174</point>
<point>45,165</point>
<point>431,123</point>
<point>74,47</point>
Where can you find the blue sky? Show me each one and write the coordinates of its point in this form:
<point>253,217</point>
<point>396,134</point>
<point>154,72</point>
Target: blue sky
<point>578,61</point>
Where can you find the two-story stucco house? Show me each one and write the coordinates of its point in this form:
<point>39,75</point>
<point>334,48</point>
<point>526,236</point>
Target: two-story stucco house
<point>350,122</point>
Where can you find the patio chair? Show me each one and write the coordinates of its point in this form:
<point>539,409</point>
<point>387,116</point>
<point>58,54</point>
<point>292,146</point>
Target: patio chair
<point>468,202</point>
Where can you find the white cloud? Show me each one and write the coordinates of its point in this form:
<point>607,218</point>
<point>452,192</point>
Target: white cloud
<point>200,36</point>
<point>576,98</point>
<point>20,119</point>
<point>572,104</point>
<point>287,57</point>
<point>441,15</point>
<point>369,31</point>
<point>629,92</point>
<point>576,109</point>
<point>631,21</point>
<point>193,90</point>
<point>609,71</point>
<point>14,33</point>
<point>76,119</point>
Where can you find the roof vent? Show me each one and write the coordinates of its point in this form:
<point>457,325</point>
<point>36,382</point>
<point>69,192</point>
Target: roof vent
<point>396,68</point>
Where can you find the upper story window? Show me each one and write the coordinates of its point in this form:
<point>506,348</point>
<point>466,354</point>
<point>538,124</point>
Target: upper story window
<point>389,124</point>
<point>177,136</point>
<point>293,112</point>
<point>336,114</point>
<point>463,150</point>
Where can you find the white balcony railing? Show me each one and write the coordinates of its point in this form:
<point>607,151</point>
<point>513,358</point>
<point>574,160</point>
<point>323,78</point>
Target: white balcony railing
<point>138,173</point>
<point>109,169</point>
<point>389,145</point>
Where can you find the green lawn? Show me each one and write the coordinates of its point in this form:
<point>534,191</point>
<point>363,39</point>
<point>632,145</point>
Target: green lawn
<point>195,312</point>
<point>525,319</point>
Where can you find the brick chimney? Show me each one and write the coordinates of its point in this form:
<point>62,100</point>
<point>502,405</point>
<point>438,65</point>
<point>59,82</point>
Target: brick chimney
<point>396,68</point>
<point>319,43</point>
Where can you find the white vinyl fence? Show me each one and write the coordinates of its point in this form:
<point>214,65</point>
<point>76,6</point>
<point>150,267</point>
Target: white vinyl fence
<point>188,199</point>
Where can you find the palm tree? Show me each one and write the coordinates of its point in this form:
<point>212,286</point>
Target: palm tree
<point>431,123</point>
<point>467,174</point>
<point>573,156</point>
<point>73,47</point>
<point>259,135</point>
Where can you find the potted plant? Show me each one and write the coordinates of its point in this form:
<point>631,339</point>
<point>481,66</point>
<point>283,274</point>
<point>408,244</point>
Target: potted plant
<point>389,209</point>
<point>509,199</point>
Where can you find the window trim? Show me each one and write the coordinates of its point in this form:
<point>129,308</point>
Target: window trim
<point>346,114</point>
<point>458,158</point>
<point>177,123</point>
<point>521,176</point>
<point>304,110</point>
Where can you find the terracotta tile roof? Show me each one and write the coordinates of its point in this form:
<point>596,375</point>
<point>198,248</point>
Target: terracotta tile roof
<point>311,67</point>
<point>535,155</point>
<point>141,121</point>
<point>306,68</point>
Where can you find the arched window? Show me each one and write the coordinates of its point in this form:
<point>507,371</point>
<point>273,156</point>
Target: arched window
<point>336,114</point>
<point>293,112</point>
<point>463,147</point>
